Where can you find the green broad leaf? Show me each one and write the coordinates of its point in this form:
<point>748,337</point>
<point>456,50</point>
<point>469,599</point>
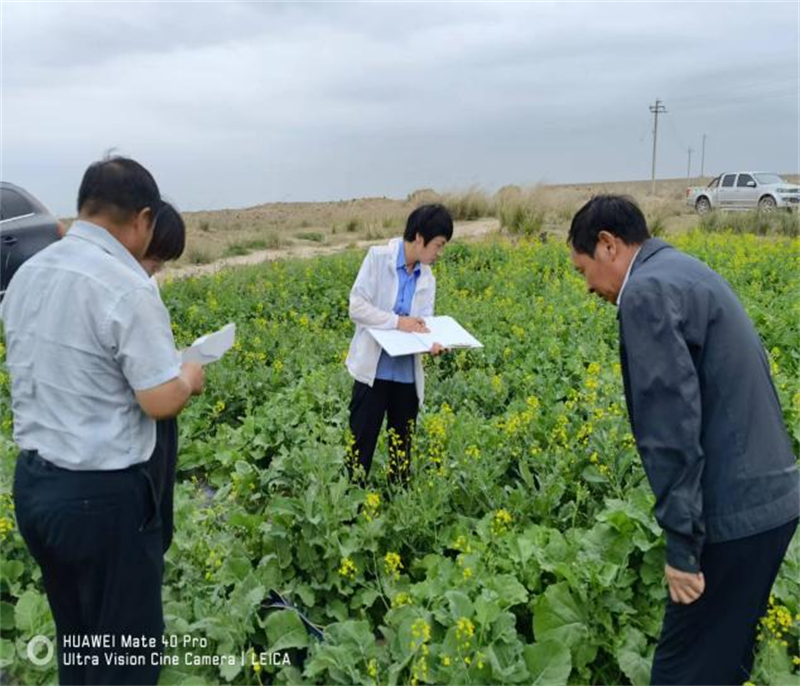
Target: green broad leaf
<point>487,609</point>
<point>8,653</point>
<point>506,662</point>
<point>337,609</point>
<point>460,604</point>
<point>606,543</point>
<point>244,520</point>
<point>7,620</point>
<point>230,670</point>
<point>634,656</point>
<point>11,570</point>
<point>521,549</point>
<point>549,663</point>
<point>591,475</point>
<point>558,617</point>
<point>365,598</point>
<point>243,468</point>
<point>774,666</point>
<point>236,568</point>
<point>32,613</point>
<point>285,630</point>
<point>508,589</point>
<point>306,594</point>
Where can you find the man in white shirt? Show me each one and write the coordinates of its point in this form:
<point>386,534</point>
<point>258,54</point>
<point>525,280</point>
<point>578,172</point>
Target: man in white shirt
<point>93,365</point>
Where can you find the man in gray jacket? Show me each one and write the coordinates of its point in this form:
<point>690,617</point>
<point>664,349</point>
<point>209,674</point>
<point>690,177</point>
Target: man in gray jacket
<point>710,432</point>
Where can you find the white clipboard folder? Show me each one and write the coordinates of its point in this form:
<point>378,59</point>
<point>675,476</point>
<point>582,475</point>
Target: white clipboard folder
<point>211,347</point>
<point>443,330</point>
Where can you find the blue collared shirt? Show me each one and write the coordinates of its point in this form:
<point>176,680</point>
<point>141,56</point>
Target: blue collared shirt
<point>401,368</point>
<point>85,329</point>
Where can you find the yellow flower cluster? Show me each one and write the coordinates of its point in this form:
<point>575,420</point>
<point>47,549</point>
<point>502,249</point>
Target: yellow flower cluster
<point>393,565</point>
<point>436,426</point>
<point>400,461</point>
<point>372,504</point>
<point>521,421</point>
<point>400,600</point>
<point>776,622</point>
<point>351,454</point>
<point>213,563</point>
<point>501,521</point>
<point>461,544</point>
<point>497,383</point>
<point>372,668</point>
<point>558,435</point>
<point>473,452</point>
<point>6,527</point>
<point>421,635</point>
<point>465,630</point>
<point>348,569</point>
<point>420,632</point>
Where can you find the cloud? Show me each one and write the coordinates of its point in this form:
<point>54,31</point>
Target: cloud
<point>233,104</point>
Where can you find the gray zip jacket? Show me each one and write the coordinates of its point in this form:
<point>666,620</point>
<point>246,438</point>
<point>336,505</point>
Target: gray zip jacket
<point>702,405</point>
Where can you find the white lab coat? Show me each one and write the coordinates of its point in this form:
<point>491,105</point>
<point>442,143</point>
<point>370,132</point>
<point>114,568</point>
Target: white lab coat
<point>372,301</point>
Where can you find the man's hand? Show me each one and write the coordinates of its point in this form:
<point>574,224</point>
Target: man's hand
<point>438,349</point>
<point>168,399</point>
<point>412,325</point>
<point>192,374</point>
<point>684,587</point>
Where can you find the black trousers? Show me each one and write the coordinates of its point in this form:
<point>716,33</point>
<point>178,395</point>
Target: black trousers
<point>368,406</point>
<point>163,465</point>
<point>711,641</point>
<point>97,537</point>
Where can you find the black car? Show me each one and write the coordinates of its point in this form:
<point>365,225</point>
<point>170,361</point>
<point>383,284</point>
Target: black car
<point>25,228</point>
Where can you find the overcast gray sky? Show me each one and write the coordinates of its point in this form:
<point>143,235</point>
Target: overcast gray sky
<point>232,104</point>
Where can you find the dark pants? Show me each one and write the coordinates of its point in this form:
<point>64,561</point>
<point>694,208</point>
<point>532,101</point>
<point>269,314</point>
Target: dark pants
<point>97,537</point>
<point>163,465</point>
<point>711,641</point>
<point>399,402</point>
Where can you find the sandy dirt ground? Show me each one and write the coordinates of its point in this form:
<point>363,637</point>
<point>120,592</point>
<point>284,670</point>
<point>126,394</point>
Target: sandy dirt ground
<point>463,231</point>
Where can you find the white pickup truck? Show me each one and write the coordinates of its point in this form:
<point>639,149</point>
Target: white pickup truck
<point>764,191</point>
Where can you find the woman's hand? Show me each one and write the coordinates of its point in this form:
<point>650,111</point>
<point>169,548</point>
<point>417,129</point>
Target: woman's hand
<point>412,325</point>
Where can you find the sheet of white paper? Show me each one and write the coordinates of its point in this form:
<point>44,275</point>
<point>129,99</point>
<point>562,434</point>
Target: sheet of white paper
<point>397,343</point>
<point>449,333</point>
<point>444,330</point>
<point>211,347</point>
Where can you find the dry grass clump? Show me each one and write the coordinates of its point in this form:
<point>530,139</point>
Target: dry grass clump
<point>760,223</point>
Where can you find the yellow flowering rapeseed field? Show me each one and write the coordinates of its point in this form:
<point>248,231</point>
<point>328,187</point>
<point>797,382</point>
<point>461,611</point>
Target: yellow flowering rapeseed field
<point>522,549</point>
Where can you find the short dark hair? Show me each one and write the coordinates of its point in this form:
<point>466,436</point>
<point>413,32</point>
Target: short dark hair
<point>169,235</point>
<point>429,221</point>
<point>119,186</point>
<point>617,214</point>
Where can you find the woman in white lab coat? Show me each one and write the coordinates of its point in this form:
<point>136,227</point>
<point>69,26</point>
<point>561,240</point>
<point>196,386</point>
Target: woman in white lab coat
<point>395,289</point>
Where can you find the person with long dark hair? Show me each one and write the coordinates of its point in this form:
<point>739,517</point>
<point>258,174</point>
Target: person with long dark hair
<point>168,243</point>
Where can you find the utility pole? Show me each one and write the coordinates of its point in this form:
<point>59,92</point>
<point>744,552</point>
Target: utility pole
<point>689,166</point>
<point>703,158</point>
<point>656,109</point>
